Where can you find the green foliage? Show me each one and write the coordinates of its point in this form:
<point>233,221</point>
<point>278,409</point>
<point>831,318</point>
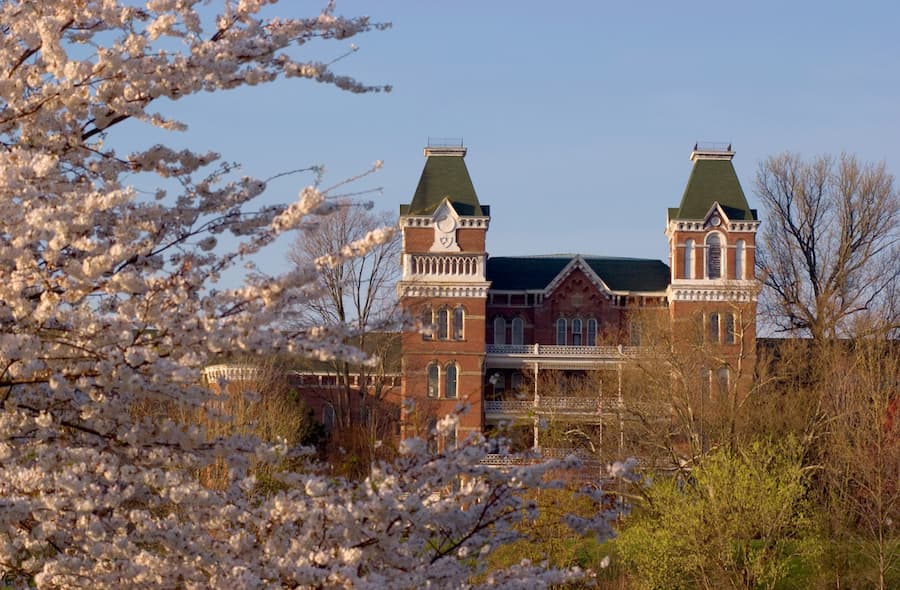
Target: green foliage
<point>738,521</point>
<point>548,538</point>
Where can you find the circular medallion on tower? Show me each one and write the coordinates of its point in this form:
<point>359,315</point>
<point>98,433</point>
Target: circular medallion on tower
<point>446,224</point>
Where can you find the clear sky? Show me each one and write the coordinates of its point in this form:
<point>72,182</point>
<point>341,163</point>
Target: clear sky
<point>579,117</point>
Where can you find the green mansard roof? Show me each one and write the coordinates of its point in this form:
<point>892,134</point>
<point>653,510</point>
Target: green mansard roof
<point>532,273</point>
<point>713,179</point>
<point>445,175</point>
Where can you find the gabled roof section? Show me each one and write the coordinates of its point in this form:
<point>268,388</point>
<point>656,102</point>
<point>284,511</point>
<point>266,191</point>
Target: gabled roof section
<point>536,273</point>
<point>445,175</point>
<point>713,179</point>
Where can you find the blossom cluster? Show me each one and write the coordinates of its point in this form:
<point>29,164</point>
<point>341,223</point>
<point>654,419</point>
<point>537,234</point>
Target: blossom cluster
<point>109,311</point>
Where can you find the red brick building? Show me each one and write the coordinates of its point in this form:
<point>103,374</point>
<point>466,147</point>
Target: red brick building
<point>500,328</point>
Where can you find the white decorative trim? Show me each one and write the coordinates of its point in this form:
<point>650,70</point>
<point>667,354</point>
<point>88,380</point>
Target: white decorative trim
<point>446,222</point>
<point>699,225</point>
<point>722,290</point>
<point>578,262</point>
<point>428,221</point>
<point>214,373</point>
<point>405,289</point>
<point>444,268</point>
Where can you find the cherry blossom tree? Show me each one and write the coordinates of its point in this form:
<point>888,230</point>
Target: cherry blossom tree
<point>109,304</point>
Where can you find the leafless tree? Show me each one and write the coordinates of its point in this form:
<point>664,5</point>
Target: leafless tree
<point>828,254</point>
<point>356,295</point>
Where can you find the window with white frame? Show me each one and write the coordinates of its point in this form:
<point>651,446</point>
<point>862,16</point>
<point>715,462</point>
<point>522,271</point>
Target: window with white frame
<point>431,435</point>
<point>459,316</point>
<point>450,381</point>
<point>328,417</point>
<point>712,327</point>
<point>739,259</point>
<point>434,380</point>
<point>450,439</point>
<point>499,330</point>
<point>576,332</point>
<point>561,326</point>
<point>713,256</point>
<point>591,339</point>
<point>728,325</point>
<point>723,380</point>
<point>516,381</point>
<point>443,319</point>
<point>427,324</point>
<point>689,259</point>
<point>518,331</point>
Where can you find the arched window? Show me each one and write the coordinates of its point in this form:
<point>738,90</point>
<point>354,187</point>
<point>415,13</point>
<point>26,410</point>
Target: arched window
<point>459,316</point>
<point>499,330</point>
<point>516,381</point>
<point>576,332</point>
<point>434,376</point>
<point>450,381</point>
<point>518,331</point>
<point>561,331</point>
<point>713,257</point>
<point>443,318</point>
<point>427,324</point>
<point>728,324</point>
<point>739,259</point>
<point>689,259</point>
<point>723,380</point>
<point>712,327</point>
<point>450,440</point>
<point>328,417</point>
<point>431,435</point>
<point>591,333</point>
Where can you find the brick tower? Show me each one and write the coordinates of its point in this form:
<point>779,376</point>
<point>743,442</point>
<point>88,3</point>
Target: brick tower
<point>443,284</point>
<point>712,244</point>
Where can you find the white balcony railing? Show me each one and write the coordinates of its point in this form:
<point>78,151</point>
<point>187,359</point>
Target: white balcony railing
<point>553,350</point>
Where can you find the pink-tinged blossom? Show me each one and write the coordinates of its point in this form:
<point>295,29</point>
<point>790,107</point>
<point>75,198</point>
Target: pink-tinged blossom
<point>109,309</point>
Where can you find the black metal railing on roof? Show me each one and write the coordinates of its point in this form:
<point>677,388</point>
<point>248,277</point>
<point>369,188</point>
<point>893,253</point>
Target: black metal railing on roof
<point>434,142</point>
<point>712,146</point>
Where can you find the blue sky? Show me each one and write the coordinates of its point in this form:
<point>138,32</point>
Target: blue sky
<point>579,117</point>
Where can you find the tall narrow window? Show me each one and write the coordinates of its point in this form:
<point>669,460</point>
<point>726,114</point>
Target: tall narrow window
<point>328,417</point>
<point>634,332</point>
<point>450,440</point>
<point>723,380</point>
<point>728,321</point>
<point>459,316</point>
<point>561,331</point>
<point>712,326</point>
<point>450,381</point>
<point>499,330</point>
<point>576,332</point>
<point>443,318</point>
<point>434,376</point>
<point>689,259</point>
<point>713,257</point>
<point>516,381</point>
<point>591,332</point>
<point>739,256</point>
<point>498,381</point>
<point>518,331</point>
<point>431,435</point>
<point>427,324</point>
